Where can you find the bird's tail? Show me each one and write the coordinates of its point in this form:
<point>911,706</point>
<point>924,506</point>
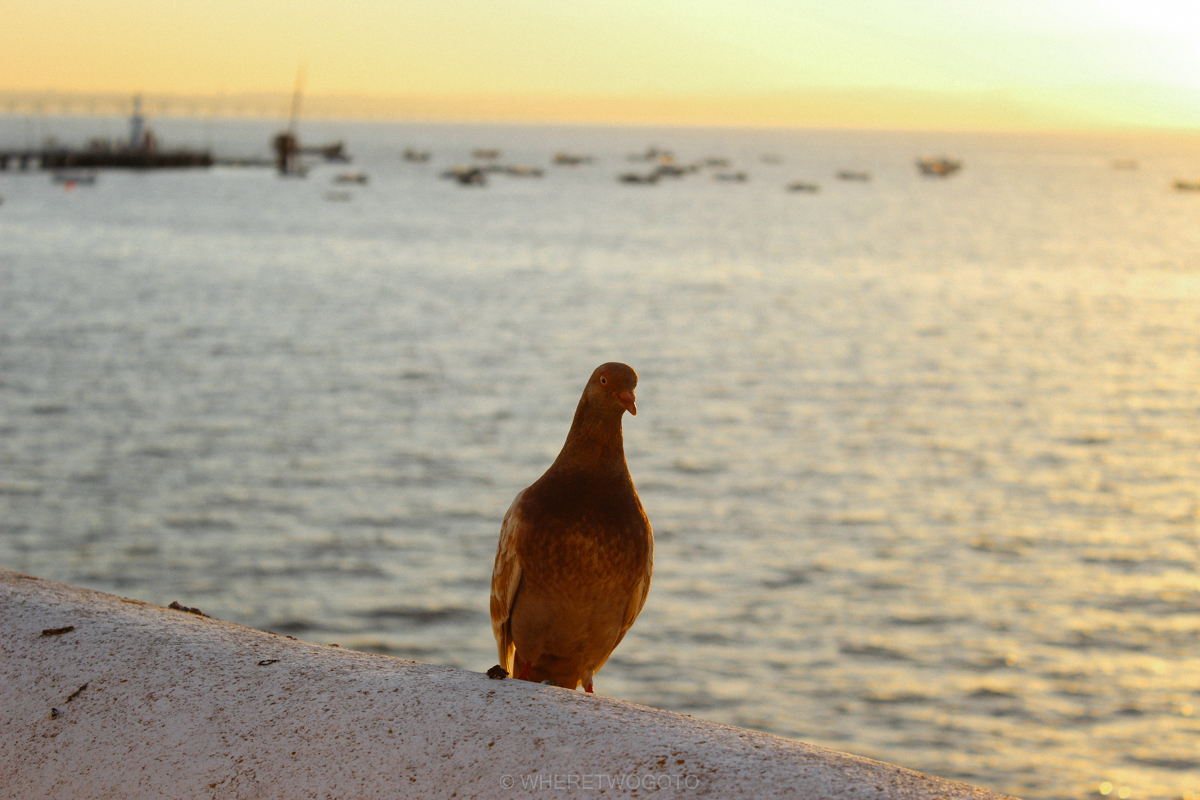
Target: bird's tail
<point>506,651</point>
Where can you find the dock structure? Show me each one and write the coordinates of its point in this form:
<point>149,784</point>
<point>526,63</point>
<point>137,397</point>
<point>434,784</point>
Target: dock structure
<point>96,158</point>
<point>20,159</point>
<point>104,697</point>
<point>140,151</point>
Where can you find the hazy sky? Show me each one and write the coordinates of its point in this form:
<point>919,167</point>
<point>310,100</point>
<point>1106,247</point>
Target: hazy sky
<point>589,47</point>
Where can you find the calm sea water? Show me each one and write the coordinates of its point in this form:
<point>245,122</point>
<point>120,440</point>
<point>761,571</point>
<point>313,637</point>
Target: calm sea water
<point>922,456</point>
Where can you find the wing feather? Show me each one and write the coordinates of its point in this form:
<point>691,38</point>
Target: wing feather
<point>506,579</point>
<point>637,600</point>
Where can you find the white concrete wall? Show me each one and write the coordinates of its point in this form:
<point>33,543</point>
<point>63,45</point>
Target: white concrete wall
<point>180,706</point>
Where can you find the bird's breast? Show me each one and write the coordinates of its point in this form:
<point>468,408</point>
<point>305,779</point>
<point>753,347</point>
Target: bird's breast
<point>587,531</point>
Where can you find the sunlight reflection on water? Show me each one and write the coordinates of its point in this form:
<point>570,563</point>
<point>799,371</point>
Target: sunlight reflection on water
<point>921,456</point>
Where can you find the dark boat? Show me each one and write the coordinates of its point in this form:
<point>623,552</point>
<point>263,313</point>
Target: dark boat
<point>669,169</point>
<point>467,176</point>
<point>652,154</point>
<point>330,152</point>
<point>938,167</point>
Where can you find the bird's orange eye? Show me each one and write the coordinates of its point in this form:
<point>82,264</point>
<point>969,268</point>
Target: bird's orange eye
<point>603,380</point>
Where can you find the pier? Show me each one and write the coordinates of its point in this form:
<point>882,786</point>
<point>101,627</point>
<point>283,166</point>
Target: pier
<point>140,151</point>
<point>66,158</point>
<point>20,159</point>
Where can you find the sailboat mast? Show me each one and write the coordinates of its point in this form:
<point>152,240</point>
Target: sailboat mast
<point>295,113</point>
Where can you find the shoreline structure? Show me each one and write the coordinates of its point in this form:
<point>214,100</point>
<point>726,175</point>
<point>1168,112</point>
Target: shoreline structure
<point>1100,110</point>
<point>103,697</point>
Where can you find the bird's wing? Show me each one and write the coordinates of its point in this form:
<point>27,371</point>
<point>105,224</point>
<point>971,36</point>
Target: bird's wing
<point>506,579</point>
<point>637,599</point>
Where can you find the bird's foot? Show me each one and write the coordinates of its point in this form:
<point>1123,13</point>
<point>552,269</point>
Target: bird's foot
<point>525,670</point>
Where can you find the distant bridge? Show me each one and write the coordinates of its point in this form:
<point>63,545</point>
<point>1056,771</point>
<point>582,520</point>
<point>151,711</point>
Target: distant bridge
<point>257,105</point>
<point>52,104</point>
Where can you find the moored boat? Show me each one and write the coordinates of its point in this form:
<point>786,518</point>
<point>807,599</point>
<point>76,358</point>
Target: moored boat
<point>939,167</point>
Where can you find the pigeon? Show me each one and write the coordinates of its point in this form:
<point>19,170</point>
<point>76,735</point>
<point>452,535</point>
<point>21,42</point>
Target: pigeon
<point>576,551</point>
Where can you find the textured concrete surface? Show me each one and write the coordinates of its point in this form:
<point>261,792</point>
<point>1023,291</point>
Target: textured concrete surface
<point>102,697</point>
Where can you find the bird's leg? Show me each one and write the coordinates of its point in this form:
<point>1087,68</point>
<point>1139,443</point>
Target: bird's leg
<point>525,670</point>
<point>587,683</point>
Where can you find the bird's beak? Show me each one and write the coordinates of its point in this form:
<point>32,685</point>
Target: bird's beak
<point>627,400</point>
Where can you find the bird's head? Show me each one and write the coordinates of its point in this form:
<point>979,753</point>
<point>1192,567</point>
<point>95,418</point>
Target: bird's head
<point>612,385</point>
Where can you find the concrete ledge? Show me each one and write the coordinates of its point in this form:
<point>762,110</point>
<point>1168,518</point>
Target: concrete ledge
<point>139,701</point>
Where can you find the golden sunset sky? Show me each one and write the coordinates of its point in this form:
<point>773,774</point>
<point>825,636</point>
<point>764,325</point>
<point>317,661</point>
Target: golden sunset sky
<point>1081,62</point>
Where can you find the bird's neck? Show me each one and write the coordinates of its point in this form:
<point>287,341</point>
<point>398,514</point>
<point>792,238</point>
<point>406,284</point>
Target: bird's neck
<point>594,442</point>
